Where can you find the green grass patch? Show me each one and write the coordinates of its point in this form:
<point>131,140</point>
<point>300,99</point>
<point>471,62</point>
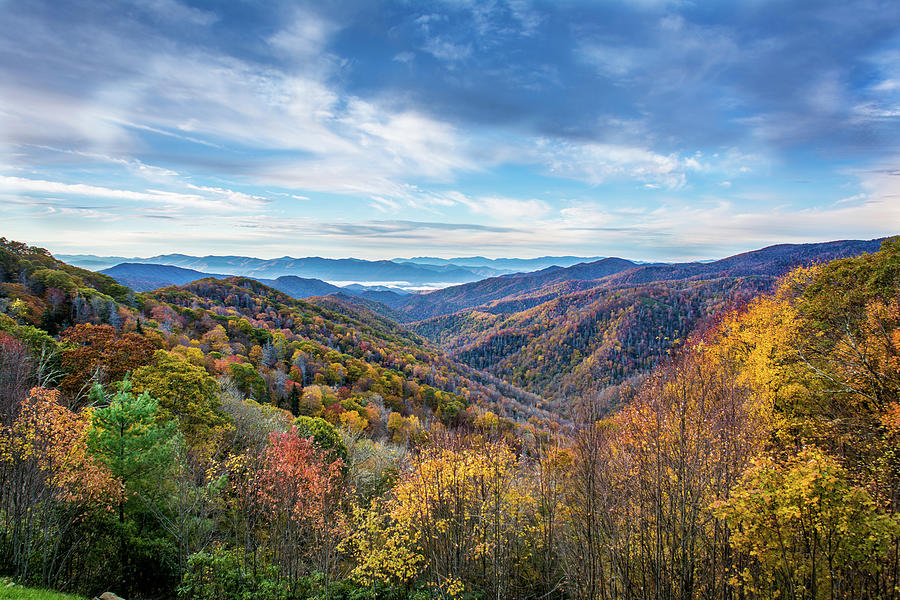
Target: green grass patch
<point>11,591</point>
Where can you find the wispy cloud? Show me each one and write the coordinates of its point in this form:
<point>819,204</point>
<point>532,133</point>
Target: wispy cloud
<point>659,127</point>
<point>208,198</point>
<point>505,210</point>
<point>176,12</point>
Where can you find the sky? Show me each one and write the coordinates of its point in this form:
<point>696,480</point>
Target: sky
<point>646,129</point>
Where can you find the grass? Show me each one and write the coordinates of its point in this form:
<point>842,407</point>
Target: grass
<point>12,591</point>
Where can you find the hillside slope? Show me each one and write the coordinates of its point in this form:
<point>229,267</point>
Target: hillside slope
<point>577,337</point>
<point>326,358</point>
<point>348,350</point>
<point>145,277</point>
<point>459,297</point>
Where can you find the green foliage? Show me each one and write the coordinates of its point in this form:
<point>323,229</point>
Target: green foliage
<point>54,294</point>
<point>36,340</point>
<point>248,380</point>
<point>859,279</point>
<point>324,436</point>
<point>185,391</point>
<point>222,574</point>
<point>9,590</point>
<point>128,437</point>
<point>51,278</point>
<point>139,448</point>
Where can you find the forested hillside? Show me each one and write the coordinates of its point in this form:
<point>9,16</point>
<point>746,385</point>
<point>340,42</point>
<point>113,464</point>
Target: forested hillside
<point>240,326</point>
<point>459,297</point>
<point>223,440</point>
<point>580,344</point>
<point>574,335</point>
<point>515,292</point>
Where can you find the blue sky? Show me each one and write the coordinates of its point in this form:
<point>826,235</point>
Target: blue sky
<point>645,129</point>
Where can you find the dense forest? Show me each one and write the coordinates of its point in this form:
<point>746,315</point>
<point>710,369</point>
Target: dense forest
<point>224,440</point>
<point>601,327</point>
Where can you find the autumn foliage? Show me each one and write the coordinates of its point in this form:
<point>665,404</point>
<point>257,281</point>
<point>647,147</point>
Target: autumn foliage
<point>242,444</point>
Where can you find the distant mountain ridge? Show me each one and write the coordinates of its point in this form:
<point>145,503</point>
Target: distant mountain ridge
<point>326,269</point>
<point>512,265</point>
<point>460,297</point>
<point>147,277</point>
<point>528,289</point>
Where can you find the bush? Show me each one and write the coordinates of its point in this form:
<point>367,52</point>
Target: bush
<point>225,575</point>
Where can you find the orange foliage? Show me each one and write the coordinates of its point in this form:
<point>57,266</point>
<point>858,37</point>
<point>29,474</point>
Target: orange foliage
<point>99,354</point>
<point>54,438</point>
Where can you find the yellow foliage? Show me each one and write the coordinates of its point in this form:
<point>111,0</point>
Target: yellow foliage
<point>466,507</point>
<point>354,423</point>
<point>383,549</point>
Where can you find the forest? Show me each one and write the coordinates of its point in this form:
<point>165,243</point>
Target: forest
<point>222,440</point>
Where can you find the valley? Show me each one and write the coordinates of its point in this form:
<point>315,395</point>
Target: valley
<point>560,332</point>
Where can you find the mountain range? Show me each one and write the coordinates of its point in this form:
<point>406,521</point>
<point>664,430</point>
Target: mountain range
<point>144,277</point>
<point>343,270</point>
<point>562,333</point>
<point>506,293</point>
<point>557,333</point>
<point>510,265</point>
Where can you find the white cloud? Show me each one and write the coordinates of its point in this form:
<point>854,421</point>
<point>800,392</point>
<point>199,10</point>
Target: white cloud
<point>304,37</point>
<point>384,204</point>
<point>610,60</point>
<point>680,53</point>
<point>133,165</point>
<point>601,163</point>
<point>171,10</point>
<point>291,110</point>
<point>447,51</point>
<point>209,198</point>
<point>507,210</point>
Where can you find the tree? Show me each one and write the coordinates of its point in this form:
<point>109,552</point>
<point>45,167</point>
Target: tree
<point>248,380</point>
<point>323,435</point>
<point>187,392</point>
<point>49,483</point>
<point>312,404</point>
<point>98,354</point>
<point>216,340</point>
<point>129,437</point>
<point>16,376</point>
<point>639,518</point>
<point>806,530</point>
<point>138,447</point>
<point>383,550</point>
<point>301,494</point>
<point>471,514</point>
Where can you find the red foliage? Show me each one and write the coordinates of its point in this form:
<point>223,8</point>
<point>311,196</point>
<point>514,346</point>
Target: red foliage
<point>295,480</point>
<point>99,354</point>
